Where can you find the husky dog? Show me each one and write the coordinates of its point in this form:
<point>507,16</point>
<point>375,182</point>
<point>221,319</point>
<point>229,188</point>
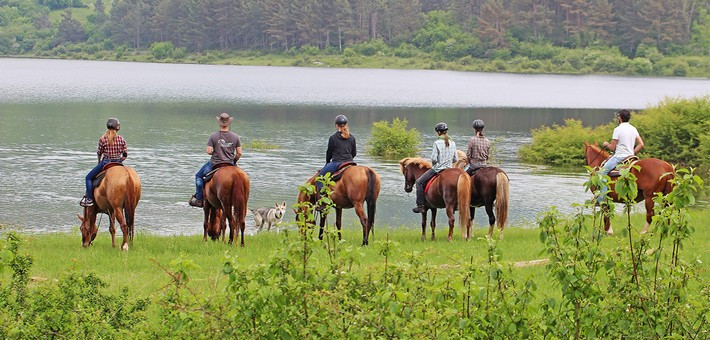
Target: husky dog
<point>269,215</point>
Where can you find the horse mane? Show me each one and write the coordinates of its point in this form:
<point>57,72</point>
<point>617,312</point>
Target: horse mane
<point>415,161</point>
<point>598,150</point>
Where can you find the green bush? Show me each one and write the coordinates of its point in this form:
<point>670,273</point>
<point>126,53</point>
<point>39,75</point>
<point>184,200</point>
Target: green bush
<point>370,48</point>
<point>640,65</point>
<point>162,50</point>
<point>405,50</point>
<point>393,141</point>
<point>678,131</point>
<point>563,144</point>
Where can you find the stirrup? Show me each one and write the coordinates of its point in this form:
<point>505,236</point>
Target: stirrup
<point>86,202</point>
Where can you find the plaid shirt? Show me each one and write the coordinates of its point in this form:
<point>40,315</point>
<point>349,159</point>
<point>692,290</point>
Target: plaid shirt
<point>478,150</point>
<point>112,152</point>
<point>443,157</point>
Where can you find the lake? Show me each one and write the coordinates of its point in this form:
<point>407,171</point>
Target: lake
<point>53,111</point>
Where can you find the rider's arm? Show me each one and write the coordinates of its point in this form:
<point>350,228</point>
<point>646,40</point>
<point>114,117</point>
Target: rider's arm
<point>611,146</point>
<point>434,155</point>
<point>353,152</point>
<point>124,154</point>
<point>99,151</point>
<point>238,153</point>
<point>209,150</point>
<point>639,145</point>
<point>329,151</point>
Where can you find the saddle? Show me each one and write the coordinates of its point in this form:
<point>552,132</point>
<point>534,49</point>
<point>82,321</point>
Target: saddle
<point>216,167</point>
<point>428,184</point>
<point>339,173</point>
<point>472,171</point>
<point>625,162</point>
<point>102,174</point>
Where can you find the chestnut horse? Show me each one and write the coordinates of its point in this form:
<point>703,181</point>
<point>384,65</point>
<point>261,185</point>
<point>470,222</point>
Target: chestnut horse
<point>451,189</point>
<point>117,196</point>
<point>489,186</point>
<point>650,179</point>
<point>226,196</point>
<point>357,185</point>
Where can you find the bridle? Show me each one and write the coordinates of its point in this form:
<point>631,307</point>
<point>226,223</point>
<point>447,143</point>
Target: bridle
<point>595,157</point>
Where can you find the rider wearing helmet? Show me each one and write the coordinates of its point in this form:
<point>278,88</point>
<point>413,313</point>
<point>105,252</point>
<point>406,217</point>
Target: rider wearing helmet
<point>625,142</point>
<point>341,148</point>
<point>111,149</point>
<point>225,147</point>
<point>443,155</point>
<point>478,149</point>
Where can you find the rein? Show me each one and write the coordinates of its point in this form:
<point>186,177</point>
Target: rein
<point>595,157</point>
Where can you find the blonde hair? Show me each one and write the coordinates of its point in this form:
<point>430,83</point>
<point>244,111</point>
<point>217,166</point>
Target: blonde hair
<point>344,130</point>
<point>446,138</point>
<point>110,136</point>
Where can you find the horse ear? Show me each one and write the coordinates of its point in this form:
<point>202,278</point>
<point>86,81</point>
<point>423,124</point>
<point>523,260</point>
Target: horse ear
<point>586,144</point>
<point>596,144</point>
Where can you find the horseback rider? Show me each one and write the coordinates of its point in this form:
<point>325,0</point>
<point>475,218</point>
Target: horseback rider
<point>341,148</point>
<point>225,147</point>
<point>478,149</point>
<point>623,139</point>
<point>443,155</point>
<point>111,149</point>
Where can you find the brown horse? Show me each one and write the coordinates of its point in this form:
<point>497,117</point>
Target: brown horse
<point>450,190</point>
<point>117,196</point>
<point>357,185</point>
<point>650,179</point>
<point>489,186</point>
<point>226,196</point>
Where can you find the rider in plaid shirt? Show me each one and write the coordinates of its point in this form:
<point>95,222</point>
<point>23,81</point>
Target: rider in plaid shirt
<point>111,149</point>
<point>478,149</point>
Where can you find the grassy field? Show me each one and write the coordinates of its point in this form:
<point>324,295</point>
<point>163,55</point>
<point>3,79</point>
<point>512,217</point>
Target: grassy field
<point>57,254</point>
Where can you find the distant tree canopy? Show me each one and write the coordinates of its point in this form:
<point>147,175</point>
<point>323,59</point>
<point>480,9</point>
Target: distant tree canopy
<point>453,28</point>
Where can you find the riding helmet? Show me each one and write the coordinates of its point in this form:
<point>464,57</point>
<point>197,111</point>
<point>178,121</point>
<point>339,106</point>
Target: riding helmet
<point>478,124</point>
<point>341,120</point>
<point>441,127</point>
<point>113,123</point>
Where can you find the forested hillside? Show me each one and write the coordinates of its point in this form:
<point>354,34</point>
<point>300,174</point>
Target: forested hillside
<point>665,37</point>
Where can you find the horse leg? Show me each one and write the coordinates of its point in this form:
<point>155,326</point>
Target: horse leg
<point>321,223</point>
<point>124,228</point>
<point>339,221</point>
<point>112,229</point>
<point>491,220</point>
<point>607,220</point>
<point>424,227</point>
<point>649,213</point>
<point>473,213</point>
<point>452,219</point>
<point>360,211</point>
<point>433,222</point>
<point>206,221</point>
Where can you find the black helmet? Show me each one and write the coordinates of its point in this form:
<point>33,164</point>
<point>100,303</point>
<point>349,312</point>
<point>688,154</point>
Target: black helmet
<point>478,124</point>
<point>113,123</point>
<point>441,127</point>
<point>341,119</point>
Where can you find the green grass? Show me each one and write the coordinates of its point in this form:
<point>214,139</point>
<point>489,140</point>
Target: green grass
<point>80,14</point>
<point>138,269</point>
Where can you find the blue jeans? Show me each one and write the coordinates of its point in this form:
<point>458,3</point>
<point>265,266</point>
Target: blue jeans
<point>328,168</point>
<point>200,181</point>
<point>92,175</point>
<point>608,166</point>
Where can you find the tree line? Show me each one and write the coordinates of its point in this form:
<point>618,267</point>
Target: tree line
<point>477,28</point>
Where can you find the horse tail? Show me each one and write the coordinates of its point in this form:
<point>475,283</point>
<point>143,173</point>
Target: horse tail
<point>373,191</point>
<point>502,198</point>
<point>240,195</point>
<point>129,205</point>
<point>463,190</point>
<point>668,185</point>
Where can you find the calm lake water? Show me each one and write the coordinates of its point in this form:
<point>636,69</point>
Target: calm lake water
<point>52,112</point>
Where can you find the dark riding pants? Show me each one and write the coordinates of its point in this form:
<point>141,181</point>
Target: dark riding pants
<point>328,168</point>
<point>93,173</point>
<point>421,183</point>
<point>200,180</point>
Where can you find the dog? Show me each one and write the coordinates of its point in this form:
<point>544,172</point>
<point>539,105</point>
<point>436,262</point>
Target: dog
<point>269,215</point>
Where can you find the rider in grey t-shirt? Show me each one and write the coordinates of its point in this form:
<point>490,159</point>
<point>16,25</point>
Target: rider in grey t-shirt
<point>225,148</point>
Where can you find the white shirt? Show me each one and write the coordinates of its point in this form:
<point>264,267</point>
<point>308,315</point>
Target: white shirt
<point>625,135</point>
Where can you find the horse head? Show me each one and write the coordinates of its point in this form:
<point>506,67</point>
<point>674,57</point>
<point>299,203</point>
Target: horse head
<point>412,168</point>
<point>593,154</point>
<point>88,226</point>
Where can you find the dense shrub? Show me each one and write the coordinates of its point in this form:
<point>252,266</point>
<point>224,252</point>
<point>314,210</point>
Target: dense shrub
<point>563,144</point>
<point>370,48</point>
<point>162,50</point>
<point>678,131</point>
<point>393,140</point>
<point>405,50</point>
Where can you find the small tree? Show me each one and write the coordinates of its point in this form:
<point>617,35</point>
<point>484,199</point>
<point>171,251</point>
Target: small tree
<point>69,30</point>
<point>393,141</point>
<point>162,50</point>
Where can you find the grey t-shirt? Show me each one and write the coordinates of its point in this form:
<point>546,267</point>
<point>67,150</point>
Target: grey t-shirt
<point>224,144</point>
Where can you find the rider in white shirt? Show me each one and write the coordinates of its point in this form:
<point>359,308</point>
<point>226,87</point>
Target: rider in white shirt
<point>625,142</point>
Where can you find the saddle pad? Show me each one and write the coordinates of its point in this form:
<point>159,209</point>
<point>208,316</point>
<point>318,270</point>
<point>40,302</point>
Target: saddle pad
<point>209,175</point>
<point>102,174</point>
<point>426,188</point>
<point>338,174</point>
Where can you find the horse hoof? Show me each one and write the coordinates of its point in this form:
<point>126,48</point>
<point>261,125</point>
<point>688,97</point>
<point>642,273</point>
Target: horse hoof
<point>125,247</point>
<point>610,232</point>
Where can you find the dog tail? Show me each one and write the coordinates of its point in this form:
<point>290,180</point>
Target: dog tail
<point>373,191</point>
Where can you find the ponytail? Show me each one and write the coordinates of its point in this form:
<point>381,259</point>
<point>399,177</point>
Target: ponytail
<point>446,139</point>
<point>344,131</point>
<point>110,136</point>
